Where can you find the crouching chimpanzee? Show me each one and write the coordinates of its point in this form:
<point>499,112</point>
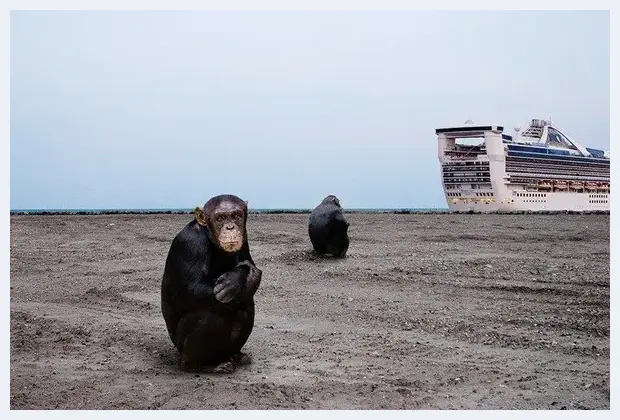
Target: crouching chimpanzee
<point>207,291</point>
<point>328,228</point>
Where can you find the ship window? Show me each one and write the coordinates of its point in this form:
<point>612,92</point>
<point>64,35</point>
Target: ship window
<point>555,138</point>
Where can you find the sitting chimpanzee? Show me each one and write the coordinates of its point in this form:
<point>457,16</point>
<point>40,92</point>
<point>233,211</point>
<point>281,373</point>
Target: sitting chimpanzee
<point>207,292</point>
<point>328,228</point>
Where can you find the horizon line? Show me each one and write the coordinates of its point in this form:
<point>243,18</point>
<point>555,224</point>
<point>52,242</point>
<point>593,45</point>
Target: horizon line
<point>192,208</point>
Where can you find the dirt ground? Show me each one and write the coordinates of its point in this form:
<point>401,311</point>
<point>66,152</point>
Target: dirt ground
<point>427,312</point>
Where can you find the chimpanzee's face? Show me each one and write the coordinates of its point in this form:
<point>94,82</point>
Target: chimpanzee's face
<point>227,225</point>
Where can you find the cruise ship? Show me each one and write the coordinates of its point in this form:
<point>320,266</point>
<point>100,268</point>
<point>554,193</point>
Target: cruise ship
<point>542,169</point>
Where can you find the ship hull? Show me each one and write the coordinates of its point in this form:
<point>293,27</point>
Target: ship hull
<point>536,201</point>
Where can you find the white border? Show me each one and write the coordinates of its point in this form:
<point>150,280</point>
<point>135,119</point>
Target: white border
<point>287,5</point>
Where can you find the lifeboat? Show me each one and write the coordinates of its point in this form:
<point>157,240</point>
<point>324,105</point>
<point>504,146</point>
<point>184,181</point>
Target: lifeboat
<point>577,185</point>
<point>544,184</point>
<point>604,187</point>
<point>591,186</point>
<point>561,185</point>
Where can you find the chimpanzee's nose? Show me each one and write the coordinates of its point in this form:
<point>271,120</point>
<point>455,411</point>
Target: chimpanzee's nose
<point>229,227</point>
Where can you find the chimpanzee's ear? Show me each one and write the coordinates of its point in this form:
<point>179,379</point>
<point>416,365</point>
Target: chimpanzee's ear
<point>200,216</point>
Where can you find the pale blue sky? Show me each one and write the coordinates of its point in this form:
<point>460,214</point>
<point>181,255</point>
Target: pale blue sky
<point>166,109</point>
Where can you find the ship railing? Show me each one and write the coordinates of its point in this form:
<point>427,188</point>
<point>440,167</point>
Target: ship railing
<point>513,174</point>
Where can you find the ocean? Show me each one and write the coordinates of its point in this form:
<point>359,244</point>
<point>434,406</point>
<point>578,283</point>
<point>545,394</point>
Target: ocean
<point>188,211</point>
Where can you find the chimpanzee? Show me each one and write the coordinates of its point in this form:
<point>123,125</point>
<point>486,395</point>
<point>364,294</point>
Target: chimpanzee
<point>328,228</point>
<point>208,286</point>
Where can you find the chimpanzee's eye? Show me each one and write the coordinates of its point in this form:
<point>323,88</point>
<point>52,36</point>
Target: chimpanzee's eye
<point>219,218</point>
<point>238,217</point>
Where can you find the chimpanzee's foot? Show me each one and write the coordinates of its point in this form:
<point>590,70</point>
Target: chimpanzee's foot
<point>226,367</point>
<point>239,359</point>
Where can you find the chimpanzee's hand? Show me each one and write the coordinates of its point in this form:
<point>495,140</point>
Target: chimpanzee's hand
<point>227,287</point>
<point>253,279</point>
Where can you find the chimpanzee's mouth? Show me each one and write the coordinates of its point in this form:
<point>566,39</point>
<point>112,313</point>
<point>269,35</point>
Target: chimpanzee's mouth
<point>231,246</point>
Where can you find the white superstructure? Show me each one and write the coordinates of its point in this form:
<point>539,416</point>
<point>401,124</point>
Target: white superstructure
<point>484,169</point>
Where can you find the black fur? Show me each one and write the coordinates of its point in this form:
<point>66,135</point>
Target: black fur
<point>328,228</point>
<point>204,330</point>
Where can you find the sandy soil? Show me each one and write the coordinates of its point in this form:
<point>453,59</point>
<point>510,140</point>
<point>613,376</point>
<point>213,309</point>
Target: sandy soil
<point>428,311</point>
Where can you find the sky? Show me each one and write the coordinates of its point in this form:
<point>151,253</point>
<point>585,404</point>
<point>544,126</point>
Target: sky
<point>167,109</point>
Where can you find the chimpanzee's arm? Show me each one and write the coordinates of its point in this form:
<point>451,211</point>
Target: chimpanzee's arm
<point>252,282</point>
<point>189,259</point>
